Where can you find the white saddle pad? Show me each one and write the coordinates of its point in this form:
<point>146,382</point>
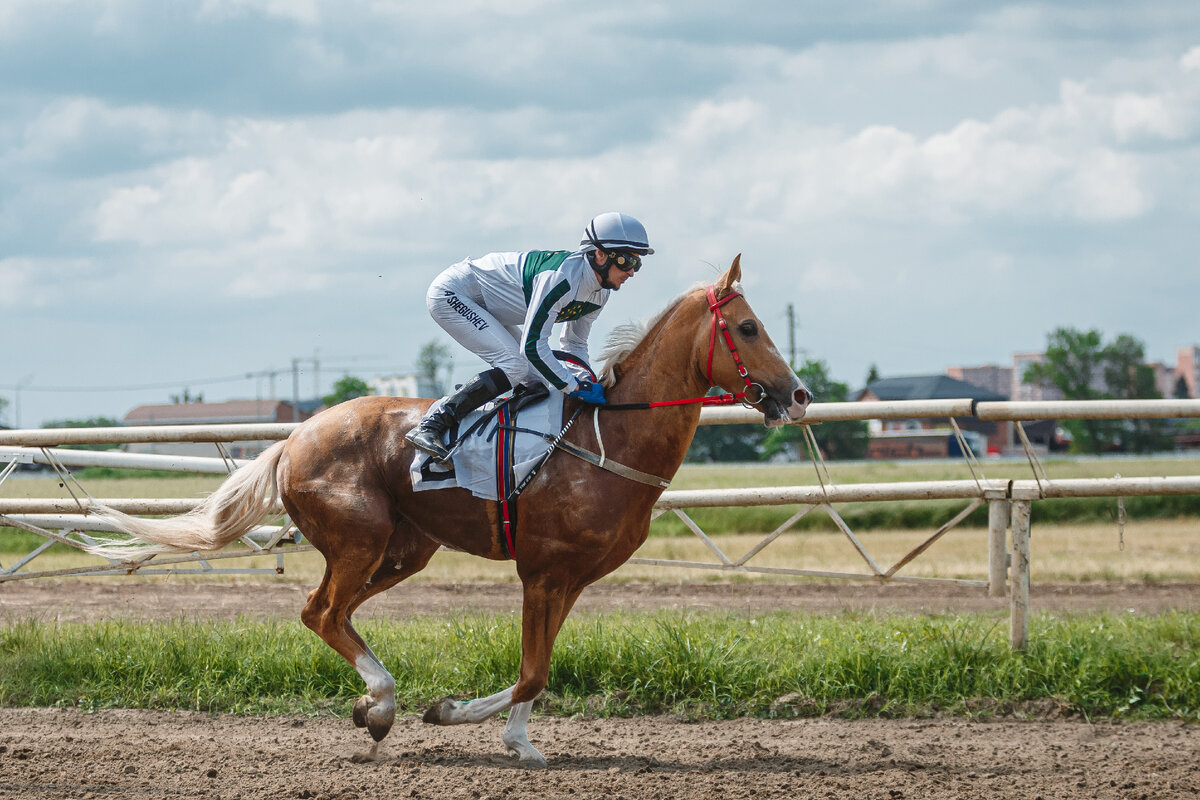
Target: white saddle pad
<point>473,463</point>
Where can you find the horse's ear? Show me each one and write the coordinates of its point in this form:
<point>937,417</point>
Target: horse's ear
<point>733,275</point>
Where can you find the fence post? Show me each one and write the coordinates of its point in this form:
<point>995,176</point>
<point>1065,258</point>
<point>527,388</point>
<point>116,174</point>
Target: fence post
<point>1019,619</point>
<point>998,515</point>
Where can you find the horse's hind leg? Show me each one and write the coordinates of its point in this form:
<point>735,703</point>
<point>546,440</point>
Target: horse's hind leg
<point>360,565</point>
<point>326,615</point>
<point>408,557</point>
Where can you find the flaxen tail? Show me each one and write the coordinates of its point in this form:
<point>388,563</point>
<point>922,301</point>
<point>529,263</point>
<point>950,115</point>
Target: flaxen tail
<point>238,505</point>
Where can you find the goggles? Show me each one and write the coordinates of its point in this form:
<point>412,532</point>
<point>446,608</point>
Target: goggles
<point>626,262</point>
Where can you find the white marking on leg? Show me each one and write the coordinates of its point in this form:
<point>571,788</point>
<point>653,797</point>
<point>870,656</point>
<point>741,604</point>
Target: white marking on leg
<point>515,740</point>
<point>456,712</point>
<point>380,683</point>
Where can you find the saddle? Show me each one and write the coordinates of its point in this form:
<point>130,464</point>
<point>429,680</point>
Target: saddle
<point>488,438</point>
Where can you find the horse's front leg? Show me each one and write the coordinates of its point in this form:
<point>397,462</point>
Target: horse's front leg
<point>542,615</point>
<point>458,712</point>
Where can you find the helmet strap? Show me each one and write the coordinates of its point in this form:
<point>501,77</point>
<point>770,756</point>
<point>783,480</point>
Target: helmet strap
<point>601,272</point>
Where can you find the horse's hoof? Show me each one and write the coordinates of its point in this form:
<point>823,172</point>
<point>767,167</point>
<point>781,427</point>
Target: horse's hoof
<point>378,728</point>
<point>370,714</point>
<point>361,706</point>
<point>437,713</point>
<point>528,757</point>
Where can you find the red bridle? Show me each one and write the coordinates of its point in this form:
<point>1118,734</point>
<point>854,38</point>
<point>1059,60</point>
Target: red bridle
<point>718,322</point>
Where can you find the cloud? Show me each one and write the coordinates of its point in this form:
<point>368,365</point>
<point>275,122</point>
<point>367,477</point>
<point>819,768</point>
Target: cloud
<point>1190,61</point>
<point>82,136</point>
<point>39,282</point>
<point>361,181</point>
<point>306,12</point>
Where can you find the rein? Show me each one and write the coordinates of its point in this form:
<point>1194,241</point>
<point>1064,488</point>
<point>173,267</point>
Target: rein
<point>718,322</point>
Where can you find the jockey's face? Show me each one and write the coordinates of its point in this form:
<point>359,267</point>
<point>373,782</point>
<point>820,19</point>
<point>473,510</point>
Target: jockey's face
<point>614,277</point>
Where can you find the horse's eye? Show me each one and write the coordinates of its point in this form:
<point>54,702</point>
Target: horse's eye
<point>749,329</point>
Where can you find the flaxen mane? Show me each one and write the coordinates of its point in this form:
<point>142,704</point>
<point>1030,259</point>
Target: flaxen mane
<point>625,338</point>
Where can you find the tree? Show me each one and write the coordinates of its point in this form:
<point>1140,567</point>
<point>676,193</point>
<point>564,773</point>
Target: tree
<point>1082,367</point>
<point>1073,365</point>
<point>1128,377</point>
<point>846,439</point>
<point>726,443</point>
<point>346,388</point>
<point>3,406</point>
<point>434,359</point>
<point>872,374</point>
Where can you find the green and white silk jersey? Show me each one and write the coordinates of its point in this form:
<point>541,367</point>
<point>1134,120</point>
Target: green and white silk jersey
<point>535,290</point>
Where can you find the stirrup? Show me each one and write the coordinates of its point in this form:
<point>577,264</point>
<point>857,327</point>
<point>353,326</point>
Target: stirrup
<point>424,438</point>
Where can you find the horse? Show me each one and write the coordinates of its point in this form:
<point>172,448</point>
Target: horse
<point>343,478</point>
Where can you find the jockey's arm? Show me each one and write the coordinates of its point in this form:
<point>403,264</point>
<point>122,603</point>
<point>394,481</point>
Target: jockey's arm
<point>551,293</point>
<point>574,340</point>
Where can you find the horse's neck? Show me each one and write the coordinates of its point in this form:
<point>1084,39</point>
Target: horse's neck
<point>664,366</point>
<point>665,362</point>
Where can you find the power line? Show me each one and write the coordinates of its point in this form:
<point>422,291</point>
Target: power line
<point>126,388</point>
<point>25,387</point>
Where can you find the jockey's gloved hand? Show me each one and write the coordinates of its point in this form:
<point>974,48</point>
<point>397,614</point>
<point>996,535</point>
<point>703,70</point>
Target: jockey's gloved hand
<point>589,392</point>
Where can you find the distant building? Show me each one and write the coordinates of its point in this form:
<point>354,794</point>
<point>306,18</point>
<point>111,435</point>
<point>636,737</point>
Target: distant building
<point>403,386</point>
<point>1187,366</point>
<point>932,437</point>
<point>234,411</point>
<point>989,376</point>
<point>1164,378</point>
<point>1027,392</point>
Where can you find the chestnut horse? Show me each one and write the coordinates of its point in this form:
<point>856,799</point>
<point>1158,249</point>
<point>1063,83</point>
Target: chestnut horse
<point>343,477</point>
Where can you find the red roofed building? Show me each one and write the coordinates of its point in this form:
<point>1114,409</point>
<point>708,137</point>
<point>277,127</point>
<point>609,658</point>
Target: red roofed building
<point>232,412</point>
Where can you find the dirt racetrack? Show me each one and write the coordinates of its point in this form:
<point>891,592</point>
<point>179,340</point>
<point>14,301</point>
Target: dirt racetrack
<point>53,753</point>
<point>48,753</point>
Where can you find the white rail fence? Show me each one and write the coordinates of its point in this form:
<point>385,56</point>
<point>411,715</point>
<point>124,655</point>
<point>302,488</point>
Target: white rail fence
<point>64,520</point>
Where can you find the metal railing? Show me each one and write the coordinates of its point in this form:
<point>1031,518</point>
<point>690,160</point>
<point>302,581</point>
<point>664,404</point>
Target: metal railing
<point>1009,501</point>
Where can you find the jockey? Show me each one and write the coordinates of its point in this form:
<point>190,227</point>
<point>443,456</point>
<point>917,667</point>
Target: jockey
<point>503,306</point>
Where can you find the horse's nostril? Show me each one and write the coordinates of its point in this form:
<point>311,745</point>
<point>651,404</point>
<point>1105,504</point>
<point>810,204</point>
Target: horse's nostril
<point>802,396</point>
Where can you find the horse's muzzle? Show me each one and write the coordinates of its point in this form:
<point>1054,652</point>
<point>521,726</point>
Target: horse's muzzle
<point>783,407</point>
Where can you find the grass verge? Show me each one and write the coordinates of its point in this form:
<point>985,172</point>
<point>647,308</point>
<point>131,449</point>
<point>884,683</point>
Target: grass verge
<point>701,666</point>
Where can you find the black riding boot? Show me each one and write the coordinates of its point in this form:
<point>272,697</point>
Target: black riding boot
<point>429,432</point>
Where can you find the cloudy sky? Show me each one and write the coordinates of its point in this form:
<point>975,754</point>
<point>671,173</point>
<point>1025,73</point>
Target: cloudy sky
<point>195,192</point>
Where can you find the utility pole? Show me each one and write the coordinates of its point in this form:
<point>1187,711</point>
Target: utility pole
<point>295,390</point>
<point>296,384</point>
<point>266,373</point>
<point>316,363</point>
<point>791,315</point>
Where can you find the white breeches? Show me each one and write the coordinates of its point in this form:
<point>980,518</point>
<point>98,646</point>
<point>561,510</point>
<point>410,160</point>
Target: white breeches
<point>455,303</point>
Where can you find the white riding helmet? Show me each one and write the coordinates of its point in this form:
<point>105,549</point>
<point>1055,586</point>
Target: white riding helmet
<point>616,231</point>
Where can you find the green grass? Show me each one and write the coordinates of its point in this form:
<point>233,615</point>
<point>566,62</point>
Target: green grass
<point>702,666</point>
